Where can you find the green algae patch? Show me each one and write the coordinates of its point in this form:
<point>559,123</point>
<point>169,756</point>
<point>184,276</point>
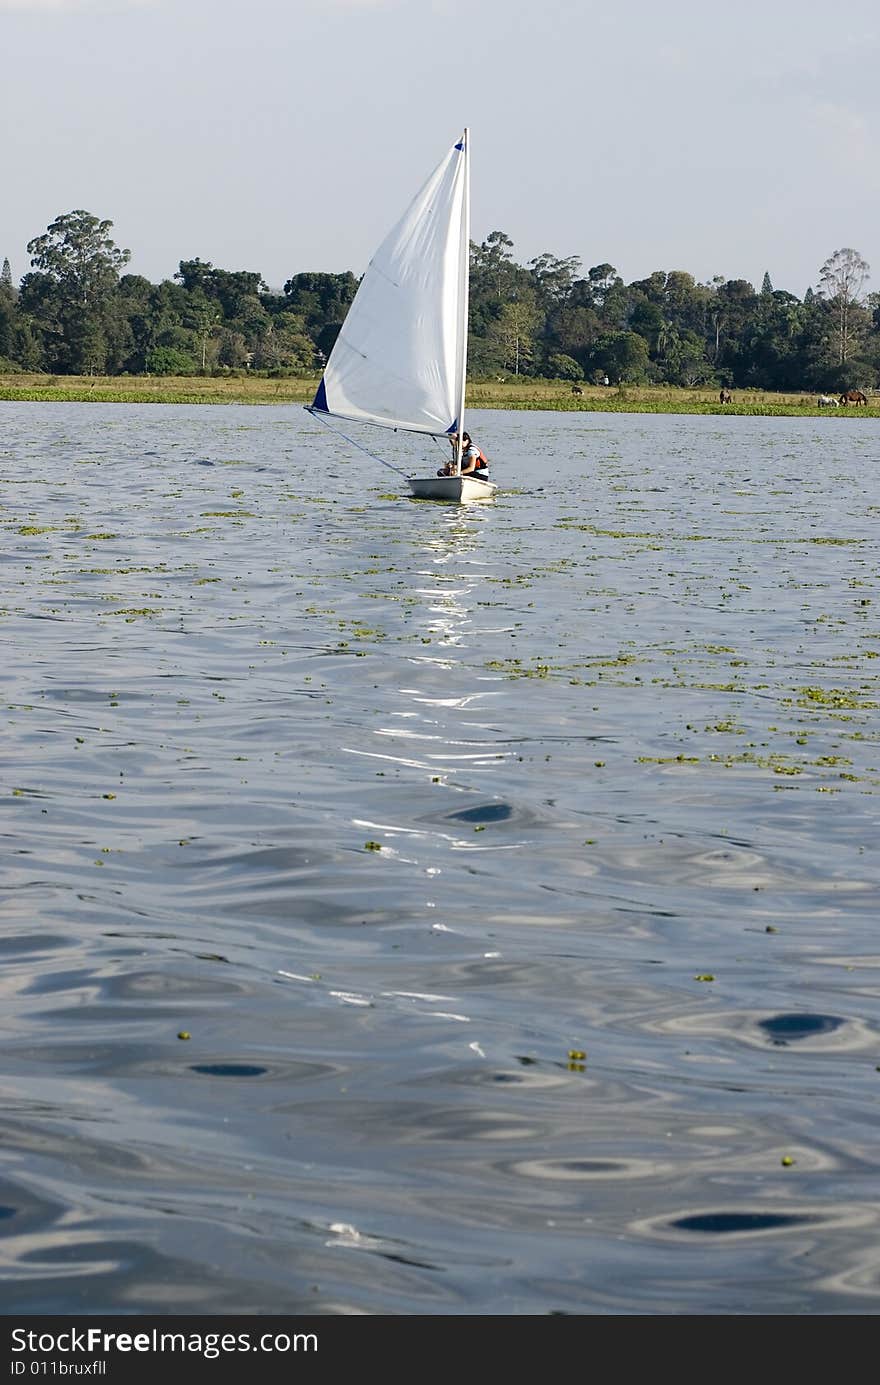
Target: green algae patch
<point>832,697</point>
<point>667,759</point>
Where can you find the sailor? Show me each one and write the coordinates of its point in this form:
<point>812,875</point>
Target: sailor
<point>472,458</point>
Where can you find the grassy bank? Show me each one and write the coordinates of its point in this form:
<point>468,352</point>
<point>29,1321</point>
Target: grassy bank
<point>491,394</point>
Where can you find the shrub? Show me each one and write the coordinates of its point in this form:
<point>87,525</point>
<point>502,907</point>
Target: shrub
<point>562,367</point>
<point>170,360</point>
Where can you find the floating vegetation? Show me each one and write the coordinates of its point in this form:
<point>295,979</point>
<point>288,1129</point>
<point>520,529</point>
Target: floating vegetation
<point>667,759</point>
<point>135,611</point>
<point>833,697</point>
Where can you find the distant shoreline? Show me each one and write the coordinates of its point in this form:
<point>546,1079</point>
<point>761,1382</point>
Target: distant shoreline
<point>500,394</point>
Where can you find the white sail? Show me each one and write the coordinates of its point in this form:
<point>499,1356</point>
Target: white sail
<point>400,358</point>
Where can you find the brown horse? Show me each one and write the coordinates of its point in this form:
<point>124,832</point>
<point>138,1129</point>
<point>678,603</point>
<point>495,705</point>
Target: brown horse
<point>725,397</point>
<point>853,397</point>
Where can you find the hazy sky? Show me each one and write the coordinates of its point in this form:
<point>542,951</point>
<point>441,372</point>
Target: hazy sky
<point>287,135</point>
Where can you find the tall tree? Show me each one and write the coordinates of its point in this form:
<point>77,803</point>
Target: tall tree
<point>496,281</point>
<point>492,266</point>
<point>731,306</point>
<point>842,279</point>
<point>78,264</point>
<point>79,255</point>
<point>766,286</point>
<point>203,317</point>
<point>773,338</point>
<point>554,278</point>
<point>513,332</point>
<point>7,327</point>
<point>7,311</point>
<point>603,278</point>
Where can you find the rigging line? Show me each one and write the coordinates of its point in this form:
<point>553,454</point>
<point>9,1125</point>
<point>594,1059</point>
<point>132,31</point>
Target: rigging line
<point>375,456</point>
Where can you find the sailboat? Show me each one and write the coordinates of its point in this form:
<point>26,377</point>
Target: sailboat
<point>400,360</point>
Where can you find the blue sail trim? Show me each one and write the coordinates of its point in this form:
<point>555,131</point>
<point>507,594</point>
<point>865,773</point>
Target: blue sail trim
<point>320,399</point>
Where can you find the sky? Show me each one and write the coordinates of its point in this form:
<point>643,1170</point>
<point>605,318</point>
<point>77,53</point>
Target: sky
<point>288,135</point>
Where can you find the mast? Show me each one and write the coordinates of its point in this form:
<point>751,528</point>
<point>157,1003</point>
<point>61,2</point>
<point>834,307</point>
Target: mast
<point>465,294</point>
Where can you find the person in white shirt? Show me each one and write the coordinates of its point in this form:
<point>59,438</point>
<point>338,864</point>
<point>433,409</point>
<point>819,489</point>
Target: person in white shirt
<point>472,458</point>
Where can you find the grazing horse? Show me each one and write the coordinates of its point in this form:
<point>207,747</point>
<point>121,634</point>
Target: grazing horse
<point>853,397</point>
<point>826,402</point>
<point>725,397</point>
<point>576,389</point>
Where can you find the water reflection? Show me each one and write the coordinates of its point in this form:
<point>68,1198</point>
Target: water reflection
<point>446,604</point>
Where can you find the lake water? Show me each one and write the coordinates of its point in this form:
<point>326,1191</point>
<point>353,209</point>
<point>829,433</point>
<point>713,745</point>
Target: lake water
<point>426,910</point>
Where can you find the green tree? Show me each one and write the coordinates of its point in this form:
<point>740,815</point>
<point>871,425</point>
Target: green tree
<point>603,279</point>
<point>772,342</point>
<point>319,299</point>
<point>226,287</point>
<point>27,350</point>
<point>41,302</point>
<point>494,273</point>
<point>234,351</point>
<point>553,278</point>
<point>496,282</point>
<point>87,342</point>
<point>562,367</point>
<point>325,340</point>
<point>647,319</point>
<point>286,345</point>
<point>79,264</point>
<point>169,360</point>
<point>730,305</point>
<point>571,330</point>
<point>7,312</point>
<point>7,327</point>
<point>203,317</point>
<point>154,315</point>
<point>78,253</point>
<point>623,356</point>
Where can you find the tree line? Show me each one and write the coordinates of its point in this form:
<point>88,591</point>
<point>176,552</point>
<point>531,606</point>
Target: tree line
<point>77,312</point>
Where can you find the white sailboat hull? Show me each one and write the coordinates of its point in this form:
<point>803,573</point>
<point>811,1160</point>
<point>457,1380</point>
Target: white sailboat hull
<point>452,489</point>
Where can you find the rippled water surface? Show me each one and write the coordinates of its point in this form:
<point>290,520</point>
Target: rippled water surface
<point>410,909</point>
